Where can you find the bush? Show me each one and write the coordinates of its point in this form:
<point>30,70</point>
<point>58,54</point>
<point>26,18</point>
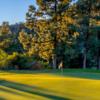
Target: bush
<point>6,59</point>
<point>36,66</point>
<point>23,61</point>
<point>20,61</point>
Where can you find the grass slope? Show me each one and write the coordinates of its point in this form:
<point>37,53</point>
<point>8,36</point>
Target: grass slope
<point>50,85</point>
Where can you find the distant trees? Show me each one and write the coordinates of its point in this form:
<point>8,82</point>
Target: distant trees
<point>5,35</point>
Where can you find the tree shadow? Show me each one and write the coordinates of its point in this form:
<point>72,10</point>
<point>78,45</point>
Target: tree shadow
<point>12,92</point>
<point>31,89</point>
<point>66,73</point>
<point>83,75</point>
<point>1,98</point>
<point>5,72</point>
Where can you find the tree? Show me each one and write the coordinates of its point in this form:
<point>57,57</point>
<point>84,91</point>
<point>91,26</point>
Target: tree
<point>86,12</point>
<point>49,27</point>
<point>95,29</point>
<point>54,9</point>
<point>6,59</point>
<point>5,36</point>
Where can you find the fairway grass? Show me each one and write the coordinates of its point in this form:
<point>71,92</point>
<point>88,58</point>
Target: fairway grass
<point>49,85</point>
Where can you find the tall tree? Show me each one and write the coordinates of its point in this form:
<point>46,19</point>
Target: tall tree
<point>51,29</point>
<point>56,10</point>
<point>60,21</point>
<point>85,12</point>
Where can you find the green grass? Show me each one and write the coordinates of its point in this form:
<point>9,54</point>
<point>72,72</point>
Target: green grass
<point>50,85</point>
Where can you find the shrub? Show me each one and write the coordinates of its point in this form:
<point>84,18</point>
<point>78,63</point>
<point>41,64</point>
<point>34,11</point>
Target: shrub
<point>23,61</point>
<point>6,59</point>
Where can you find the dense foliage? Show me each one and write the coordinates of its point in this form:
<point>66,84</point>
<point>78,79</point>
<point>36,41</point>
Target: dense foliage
<point>57,32</point>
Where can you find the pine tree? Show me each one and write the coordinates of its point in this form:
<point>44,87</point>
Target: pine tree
<point>51,30</point>
<point>56,11</point>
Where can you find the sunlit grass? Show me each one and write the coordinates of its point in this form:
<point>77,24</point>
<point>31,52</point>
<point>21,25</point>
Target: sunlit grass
<point>49,85</point>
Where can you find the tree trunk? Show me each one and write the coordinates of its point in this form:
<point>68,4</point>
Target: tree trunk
<point>54,61</point>
<point>98,59</point>
<point>54,56</point>
<point>99,63</point>
<point>98,51</point>
<point>84,60</point>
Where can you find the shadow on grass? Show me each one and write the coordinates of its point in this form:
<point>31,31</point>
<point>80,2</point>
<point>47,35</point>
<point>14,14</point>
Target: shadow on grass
<point>26,71</point>
<point>79,74</point>
<point>30,89</point>
<point>1,98</point>
<point>4,89</point>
